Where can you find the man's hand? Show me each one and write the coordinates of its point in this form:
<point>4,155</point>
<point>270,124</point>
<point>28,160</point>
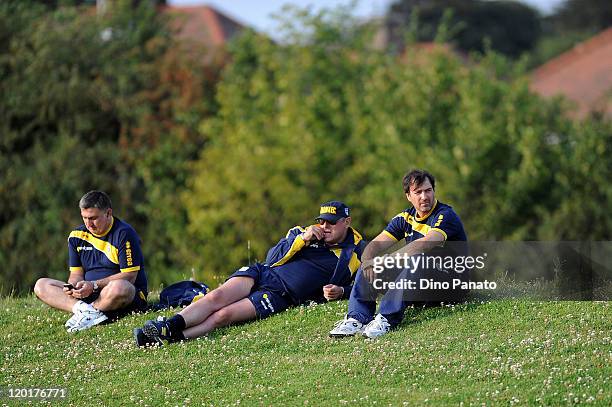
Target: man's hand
<point>83,289</point>
<point>68,291</point>
<point>313,232</point>
<point>332,292</point>
<point>367,267</point>
<point>368,272</point>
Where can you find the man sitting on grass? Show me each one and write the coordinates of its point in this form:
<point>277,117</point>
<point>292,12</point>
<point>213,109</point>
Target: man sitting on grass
<point>428,227</point>
<point>307,264</point>
<point>107,277</point>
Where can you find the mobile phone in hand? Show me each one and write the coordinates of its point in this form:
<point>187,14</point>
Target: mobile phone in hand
<point>69,286</point>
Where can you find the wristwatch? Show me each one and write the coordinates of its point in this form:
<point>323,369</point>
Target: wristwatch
<point>96,287</point>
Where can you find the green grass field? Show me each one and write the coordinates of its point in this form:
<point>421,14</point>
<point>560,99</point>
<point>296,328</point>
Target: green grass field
<point>497,353</point>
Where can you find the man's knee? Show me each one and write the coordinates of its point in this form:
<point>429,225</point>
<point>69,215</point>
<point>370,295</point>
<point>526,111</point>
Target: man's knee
<point>119,290</point>
<point>222,317</point>
<point>41,287</point>
<point>215,296</point>
<point>236,287</point>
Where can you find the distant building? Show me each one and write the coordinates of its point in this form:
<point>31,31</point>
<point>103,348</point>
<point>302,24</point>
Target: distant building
<point>582,74</point>
<point>204,25</point>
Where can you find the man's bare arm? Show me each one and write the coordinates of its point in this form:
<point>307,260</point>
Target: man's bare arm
<point>379,244</point>
<point>86,288</point>
<point>422,245</point>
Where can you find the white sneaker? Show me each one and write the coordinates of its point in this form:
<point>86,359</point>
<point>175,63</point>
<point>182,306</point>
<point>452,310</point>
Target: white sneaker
<point>346,327</point>
<point>377,327</point>
<point>77,308</point>
<point>72,320</point>
<point>88,316</point>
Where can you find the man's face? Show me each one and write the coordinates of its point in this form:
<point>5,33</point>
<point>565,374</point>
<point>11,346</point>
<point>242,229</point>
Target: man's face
<point>421,197</point>
<point>97,221</point>
<point>335,234</point>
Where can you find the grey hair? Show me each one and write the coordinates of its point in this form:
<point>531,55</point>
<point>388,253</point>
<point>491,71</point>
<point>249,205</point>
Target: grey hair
<point>95,199</point>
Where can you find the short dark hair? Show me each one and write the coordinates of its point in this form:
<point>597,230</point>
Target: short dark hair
<point>95,199</point>
<point>417,177</point>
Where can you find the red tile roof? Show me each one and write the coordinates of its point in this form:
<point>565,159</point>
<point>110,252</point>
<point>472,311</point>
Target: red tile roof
<point>204,25</point>
<point>582,74</point>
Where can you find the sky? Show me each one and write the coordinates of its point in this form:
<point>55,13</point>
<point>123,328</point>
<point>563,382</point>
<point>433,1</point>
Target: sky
<point>257,13</point>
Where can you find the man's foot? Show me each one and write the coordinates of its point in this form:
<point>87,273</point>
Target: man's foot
<point>77,309</point>
<point>377,327</point>
<point>155,333</point>
<point>85,316</point>
<point>143,340</point>
<point>72,321</point>
<point>346,327</point>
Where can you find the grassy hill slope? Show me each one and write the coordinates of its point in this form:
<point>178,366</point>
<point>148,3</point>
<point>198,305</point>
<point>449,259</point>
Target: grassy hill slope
<point>500,353</point>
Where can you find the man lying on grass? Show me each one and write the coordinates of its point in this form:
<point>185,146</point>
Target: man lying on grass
<point>308,264</point>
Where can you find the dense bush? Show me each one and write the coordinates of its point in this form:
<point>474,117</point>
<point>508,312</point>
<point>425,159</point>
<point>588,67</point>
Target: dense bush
<point>211,171</point>
<point>91,102</point>
<point>322,116</point>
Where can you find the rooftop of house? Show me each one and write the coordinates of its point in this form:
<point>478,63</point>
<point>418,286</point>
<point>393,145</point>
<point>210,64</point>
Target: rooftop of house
<point>204,24</point>
<point>582,74</point>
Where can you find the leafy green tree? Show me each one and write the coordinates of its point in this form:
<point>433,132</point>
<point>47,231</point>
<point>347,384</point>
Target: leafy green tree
<point>553,43</point>
<point>323,116</point>
<point>105,102</point>
<point>281,143</point>
<point>582,191</point>
<point>571,22</point>
<point>211,173</point>
<point>510,27</point>
<point>48,125</point>
<point>583,15</point>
